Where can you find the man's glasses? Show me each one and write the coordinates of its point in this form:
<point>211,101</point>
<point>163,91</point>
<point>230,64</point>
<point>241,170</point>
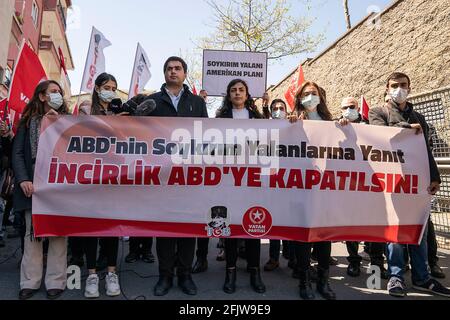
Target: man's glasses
<point>349,107</point>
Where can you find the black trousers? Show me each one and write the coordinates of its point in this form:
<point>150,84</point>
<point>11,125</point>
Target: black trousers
<point>141,245</point>
<point>303,254</point>
<point>76,245</point>
<point>252,249</point>
<point>173,251</point>
<point>376,251</point>
<point>202,248</point>
<point>110,250</point>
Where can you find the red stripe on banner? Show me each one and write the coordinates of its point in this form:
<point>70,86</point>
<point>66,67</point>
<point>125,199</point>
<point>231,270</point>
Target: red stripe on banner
<point>51,226</point>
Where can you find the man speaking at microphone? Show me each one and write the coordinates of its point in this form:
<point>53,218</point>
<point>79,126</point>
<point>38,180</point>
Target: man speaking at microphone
<point>176,100</point>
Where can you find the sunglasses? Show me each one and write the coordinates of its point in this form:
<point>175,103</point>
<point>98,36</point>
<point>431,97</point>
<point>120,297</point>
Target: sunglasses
<point>349,107</point>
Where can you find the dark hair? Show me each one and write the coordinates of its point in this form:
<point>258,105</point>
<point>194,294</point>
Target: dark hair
<point>36,107</point>
<point>274,102</point>
<point>227,106</point>
<point>100,81</point>
<point>322,108</point>
<point>183,63</point>
<point>397,76</point>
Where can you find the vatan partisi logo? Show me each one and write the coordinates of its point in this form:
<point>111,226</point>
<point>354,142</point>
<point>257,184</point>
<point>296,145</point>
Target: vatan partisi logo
<point>219,225</point>
<point>257,222</point>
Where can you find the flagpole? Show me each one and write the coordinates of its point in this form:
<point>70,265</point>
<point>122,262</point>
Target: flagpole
<point>15,69</point>
<point>132,72</point>
<point>85,65</point>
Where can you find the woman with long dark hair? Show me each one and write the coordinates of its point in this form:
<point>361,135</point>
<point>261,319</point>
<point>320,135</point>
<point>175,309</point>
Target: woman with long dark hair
<point>311,105</point>
<point>104,93</point>
<point>238,104</point>
<point>47,100</point>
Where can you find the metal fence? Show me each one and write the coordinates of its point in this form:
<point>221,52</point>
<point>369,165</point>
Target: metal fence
<point>435,106</point>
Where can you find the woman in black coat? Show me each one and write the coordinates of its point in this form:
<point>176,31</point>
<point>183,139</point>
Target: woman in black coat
<point>238,104</point>
<point>47,100</point>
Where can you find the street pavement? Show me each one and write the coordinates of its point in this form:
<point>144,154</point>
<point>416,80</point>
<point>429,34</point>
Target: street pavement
<point>137,280</point>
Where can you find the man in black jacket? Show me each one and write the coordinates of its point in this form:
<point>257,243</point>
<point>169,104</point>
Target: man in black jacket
<point>175,100</point>
<point>400,113</point>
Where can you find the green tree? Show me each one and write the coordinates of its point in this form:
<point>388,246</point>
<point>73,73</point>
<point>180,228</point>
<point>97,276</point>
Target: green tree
<point>260,25</point>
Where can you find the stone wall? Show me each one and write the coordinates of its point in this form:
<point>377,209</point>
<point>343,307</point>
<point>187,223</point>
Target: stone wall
<point>411,36</point>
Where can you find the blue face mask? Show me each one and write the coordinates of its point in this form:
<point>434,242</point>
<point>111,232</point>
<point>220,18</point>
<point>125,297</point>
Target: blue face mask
<point>56,100</point>
<point>107,96</point>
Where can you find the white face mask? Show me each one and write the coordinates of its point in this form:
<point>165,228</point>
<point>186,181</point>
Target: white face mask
<point>56,101</point>
<point>399,95</point>
<point>351,114</point>
<point>279,114</point>
<point>107,96</point>
<point>311,102</point>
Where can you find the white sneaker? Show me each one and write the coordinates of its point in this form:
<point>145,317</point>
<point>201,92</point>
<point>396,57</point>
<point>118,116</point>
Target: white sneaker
<point>112,285</point>
<point>91,290</point>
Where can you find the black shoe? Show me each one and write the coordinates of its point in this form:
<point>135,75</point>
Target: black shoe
<point>77,261</point>
<point>292,264</point>
<point>323,285</point>
<point>306,291</point>
<point>396,287</point>
<point>271,265</point>
<point>131,257</point>
<point>201,265</point>
<point>256,281</point>
<point>102,263</point>
<point>313,273</point>
<point>187,285</point>
<point>54,294</point>
<point>354,270</point>
<point>433,286</point>
<point>148,258</point>
<point>221,255</point>
<point>436,272</point>
<point>334,261</point>
<point>230,281</point>
<point>384,273</point>
<point>26,294</point>
<point>163,286</point>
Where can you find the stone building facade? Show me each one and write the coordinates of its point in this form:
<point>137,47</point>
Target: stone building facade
<point>411,36</point>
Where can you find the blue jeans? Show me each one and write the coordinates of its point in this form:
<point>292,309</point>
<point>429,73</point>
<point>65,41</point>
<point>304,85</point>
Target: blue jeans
<point>419,260</point>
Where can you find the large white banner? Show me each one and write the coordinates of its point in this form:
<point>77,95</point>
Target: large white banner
<point>221,67</point>
<point>95,61</point>
<point>141,73</point>
<point>310,181</point>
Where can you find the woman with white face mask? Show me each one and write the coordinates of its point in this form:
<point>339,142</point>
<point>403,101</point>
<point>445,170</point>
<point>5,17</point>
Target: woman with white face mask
<point>104,93</point>
<point>311,105</point>
<point>47,100</point>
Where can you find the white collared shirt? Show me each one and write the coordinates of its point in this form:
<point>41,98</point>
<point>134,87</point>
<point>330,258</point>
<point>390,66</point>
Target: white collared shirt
<point>175,99</point>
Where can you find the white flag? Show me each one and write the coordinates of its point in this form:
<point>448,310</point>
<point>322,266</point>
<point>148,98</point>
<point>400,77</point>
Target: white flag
<point>95,62</point>
<point>141,73</point>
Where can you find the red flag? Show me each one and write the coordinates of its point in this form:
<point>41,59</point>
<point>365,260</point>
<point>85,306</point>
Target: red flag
<point>62,61</point>
<point>3,109</point>
<point>28,73</point>
<point>75,110</point>
<point>364,109</point>
<point>194,90</point>
<point>296,82</point>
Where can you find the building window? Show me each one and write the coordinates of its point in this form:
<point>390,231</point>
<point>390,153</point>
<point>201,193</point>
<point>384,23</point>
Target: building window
<point>35,14</point>
<point>8,76</point>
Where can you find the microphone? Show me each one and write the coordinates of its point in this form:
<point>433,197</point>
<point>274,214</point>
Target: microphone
<point>146,108</point>
<point>116,106</point>
<point>130,107</point>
